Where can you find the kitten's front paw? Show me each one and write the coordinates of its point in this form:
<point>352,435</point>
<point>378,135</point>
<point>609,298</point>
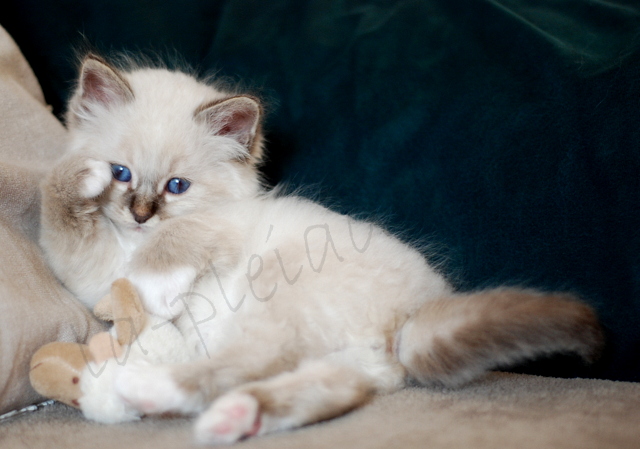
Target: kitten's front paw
<point>163,294</point>
<point>232,417</point>
<point>95,178</point>
<point>150,389</point>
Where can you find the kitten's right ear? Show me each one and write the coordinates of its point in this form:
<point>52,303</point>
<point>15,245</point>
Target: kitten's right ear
<point>238,118</point>
<point>100,86</point>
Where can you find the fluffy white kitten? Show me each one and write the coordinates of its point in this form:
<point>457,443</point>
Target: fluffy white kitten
<point>293,313</point>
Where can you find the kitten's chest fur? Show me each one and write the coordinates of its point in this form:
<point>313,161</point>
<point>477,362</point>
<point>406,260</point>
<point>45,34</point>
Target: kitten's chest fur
<point>113,266</point>
<point>128,243</point>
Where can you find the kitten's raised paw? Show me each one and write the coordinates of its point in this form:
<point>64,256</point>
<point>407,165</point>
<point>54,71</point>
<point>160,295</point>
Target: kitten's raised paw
<point>232,417</point>
<point>96,179</point>
<point>150,389</point>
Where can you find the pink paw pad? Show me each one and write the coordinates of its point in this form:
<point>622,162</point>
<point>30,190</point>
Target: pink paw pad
<point>233,413</point>
<point>147,406</point>
<point>238,411</point>
<point>231,418</point>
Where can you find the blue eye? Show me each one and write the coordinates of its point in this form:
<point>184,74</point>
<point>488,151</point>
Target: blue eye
<point>178,185</point>
<point>121,173</point>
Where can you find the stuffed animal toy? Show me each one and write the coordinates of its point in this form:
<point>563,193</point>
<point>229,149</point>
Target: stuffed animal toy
<point>83,375</point>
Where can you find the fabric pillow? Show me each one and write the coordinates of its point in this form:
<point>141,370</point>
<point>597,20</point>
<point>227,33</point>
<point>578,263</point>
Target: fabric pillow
<point>34,307</point>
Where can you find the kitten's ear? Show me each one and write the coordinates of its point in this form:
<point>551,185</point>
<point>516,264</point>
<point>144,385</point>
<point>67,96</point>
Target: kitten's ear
<point>238,118</point>
<point>100,85</point>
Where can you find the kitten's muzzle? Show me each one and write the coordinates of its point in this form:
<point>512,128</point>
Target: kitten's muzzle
<point>142,209</point>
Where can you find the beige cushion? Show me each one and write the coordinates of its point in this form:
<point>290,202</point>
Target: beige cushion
<point>34,307</point>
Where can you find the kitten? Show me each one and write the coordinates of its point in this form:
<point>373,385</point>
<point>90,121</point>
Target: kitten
<point>292,313</point>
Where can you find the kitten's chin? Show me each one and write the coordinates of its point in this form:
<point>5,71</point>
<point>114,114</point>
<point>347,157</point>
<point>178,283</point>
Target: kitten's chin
<point>134,228</point>
<point>126,227</point>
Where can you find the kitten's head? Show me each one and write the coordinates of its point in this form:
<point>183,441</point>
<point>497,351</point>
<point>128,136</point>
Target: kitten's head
<point>175,145</point>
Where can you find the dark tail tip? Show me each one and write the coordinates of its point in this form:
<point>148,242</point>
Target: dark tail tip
<point>453,340</point>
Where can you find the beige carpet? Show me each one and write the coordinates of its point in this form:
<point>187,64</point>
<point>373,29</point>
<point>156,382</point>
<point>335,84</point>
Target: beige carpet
<point>500,411</point>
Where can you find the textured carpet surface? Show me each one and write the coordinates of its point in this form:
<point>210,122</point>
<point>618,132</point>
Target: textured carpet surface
<point>500,411</point>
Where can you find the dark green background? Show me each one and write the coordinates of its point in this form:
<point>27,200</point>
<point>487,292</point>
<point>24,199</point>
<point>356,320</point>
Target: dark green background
<point>503,132</point>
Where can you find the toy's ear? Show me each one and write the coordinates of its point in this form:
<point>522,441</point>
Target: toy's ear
<point>129,317</point>
<point>103,309</point>
<point>56,369</point>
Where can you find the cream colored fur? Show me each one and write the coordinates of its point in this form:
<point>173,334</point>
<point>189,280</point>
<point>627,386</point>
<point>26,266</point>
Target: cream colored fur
<point>292,313</point>
<point>160,342</point>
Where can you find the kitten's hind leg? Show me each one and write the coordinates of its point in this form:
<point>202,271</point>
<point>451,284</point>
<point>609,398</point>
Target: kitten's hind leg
<point>189,387</point>
<point>317,390</point>
<point>453,340</point>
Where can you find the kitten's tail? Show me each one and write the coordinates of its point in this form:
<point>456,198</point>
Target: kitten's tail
<point>452,340</point>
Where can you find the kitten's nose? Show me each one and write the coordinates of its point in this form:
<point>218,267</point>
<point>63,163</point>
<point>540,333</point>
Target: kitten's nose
<point>142,210</point>
<point>141,218</point>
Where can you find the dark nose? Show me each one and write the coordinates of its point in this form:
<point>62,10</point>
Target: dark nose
<point>142,209</point>
<point>141,218</point>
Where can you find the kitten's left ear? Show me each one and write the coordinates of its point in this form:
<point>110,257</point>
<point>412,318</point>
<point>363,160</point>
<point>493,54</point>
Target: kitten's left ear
<point>238,118</point>
<point>100,86</point>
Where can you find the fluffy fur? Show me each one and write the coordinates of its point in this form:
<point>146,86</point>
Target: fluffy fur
<point>292,313</point>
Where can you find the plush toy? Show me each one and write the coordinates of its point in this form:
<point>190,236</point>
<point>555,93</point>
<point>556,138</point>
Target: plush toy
<point>83,375</point>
